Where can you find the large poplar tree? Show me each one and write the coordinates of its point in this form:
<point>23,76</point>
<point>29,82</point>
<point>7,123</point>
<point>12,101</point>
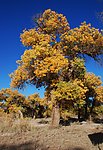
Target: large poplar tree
<point>52,47</point>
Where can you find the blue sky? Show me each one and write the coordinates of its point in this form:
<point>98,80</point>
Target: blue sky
<point>16,15</point>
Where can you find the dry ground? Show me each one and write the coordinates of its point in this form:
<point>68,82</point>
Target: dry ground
<point>38,135</point>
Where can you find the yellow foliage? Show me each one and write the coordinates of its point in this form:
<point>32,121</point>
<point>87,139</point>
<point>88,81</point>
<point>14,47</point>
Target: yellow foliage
<point>12,101</point>
<point>71,91</point>
<point>99,94</point>
<point>45,59</point>
<point>52,23</point>
<point>92,81</point>
<point>85,40</point>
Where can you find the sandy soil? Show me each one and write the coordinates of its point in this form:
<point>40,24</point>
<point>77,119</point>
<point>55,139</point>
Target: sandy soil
<point>82,136</point>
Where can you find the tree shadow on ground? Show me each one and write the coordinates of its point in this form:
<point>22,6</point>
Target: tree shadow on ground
<point>23,146</point>
<point>98,120</point>
<point>33,146</point>
<point>75,148</point>
<point>68,122</point>
<point>75,120</point>
<point>78,148</point>
<point>96,139</point>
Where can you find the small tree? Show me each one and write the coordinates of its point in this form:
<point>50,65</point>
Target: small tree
<point>12,101</point>
<point>73,92</point>
<point>99,101</point>
<point>92,82</point>
<point>34,106</point>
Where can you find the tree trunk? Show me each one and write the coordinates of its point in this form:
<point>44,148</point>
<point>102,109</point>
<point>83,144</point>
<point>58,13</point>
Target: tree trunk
<point>91,111</point>
<point>20,114</point>
<point>86,112</point>
<point>55,116</point>
<point>86,107</point>
<point>79,110</point>
<point>90,118</point>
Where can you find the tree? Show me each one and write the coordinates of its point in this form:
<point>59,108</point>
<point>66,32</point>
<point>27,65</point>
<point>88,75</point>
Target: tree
<point>12,101</point>
<point>73,92</point>
<point>52,49</point>
<point>92,82</point>
<point>16,103</point>
<point>34,106</point>
<point>99,101</point>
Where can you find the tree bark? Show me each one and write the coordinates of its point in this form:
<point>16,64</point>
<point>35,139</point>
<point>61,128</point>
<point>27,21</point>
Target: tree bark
<point>91,111</point>
<point>79,110</point>
<point>90,118</point>
<point>55,116</point>
<point>86,113</point>
<point>19,114</point>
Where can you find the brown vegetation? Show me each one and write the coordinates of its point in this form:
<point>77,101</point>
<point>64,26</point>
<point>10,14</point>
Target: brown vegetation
<point>37,134</point>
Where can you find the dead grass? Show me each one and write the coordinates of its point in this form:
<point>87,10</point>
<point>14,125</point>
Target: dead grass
<point>27,134</point>
<point>8,124</point>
